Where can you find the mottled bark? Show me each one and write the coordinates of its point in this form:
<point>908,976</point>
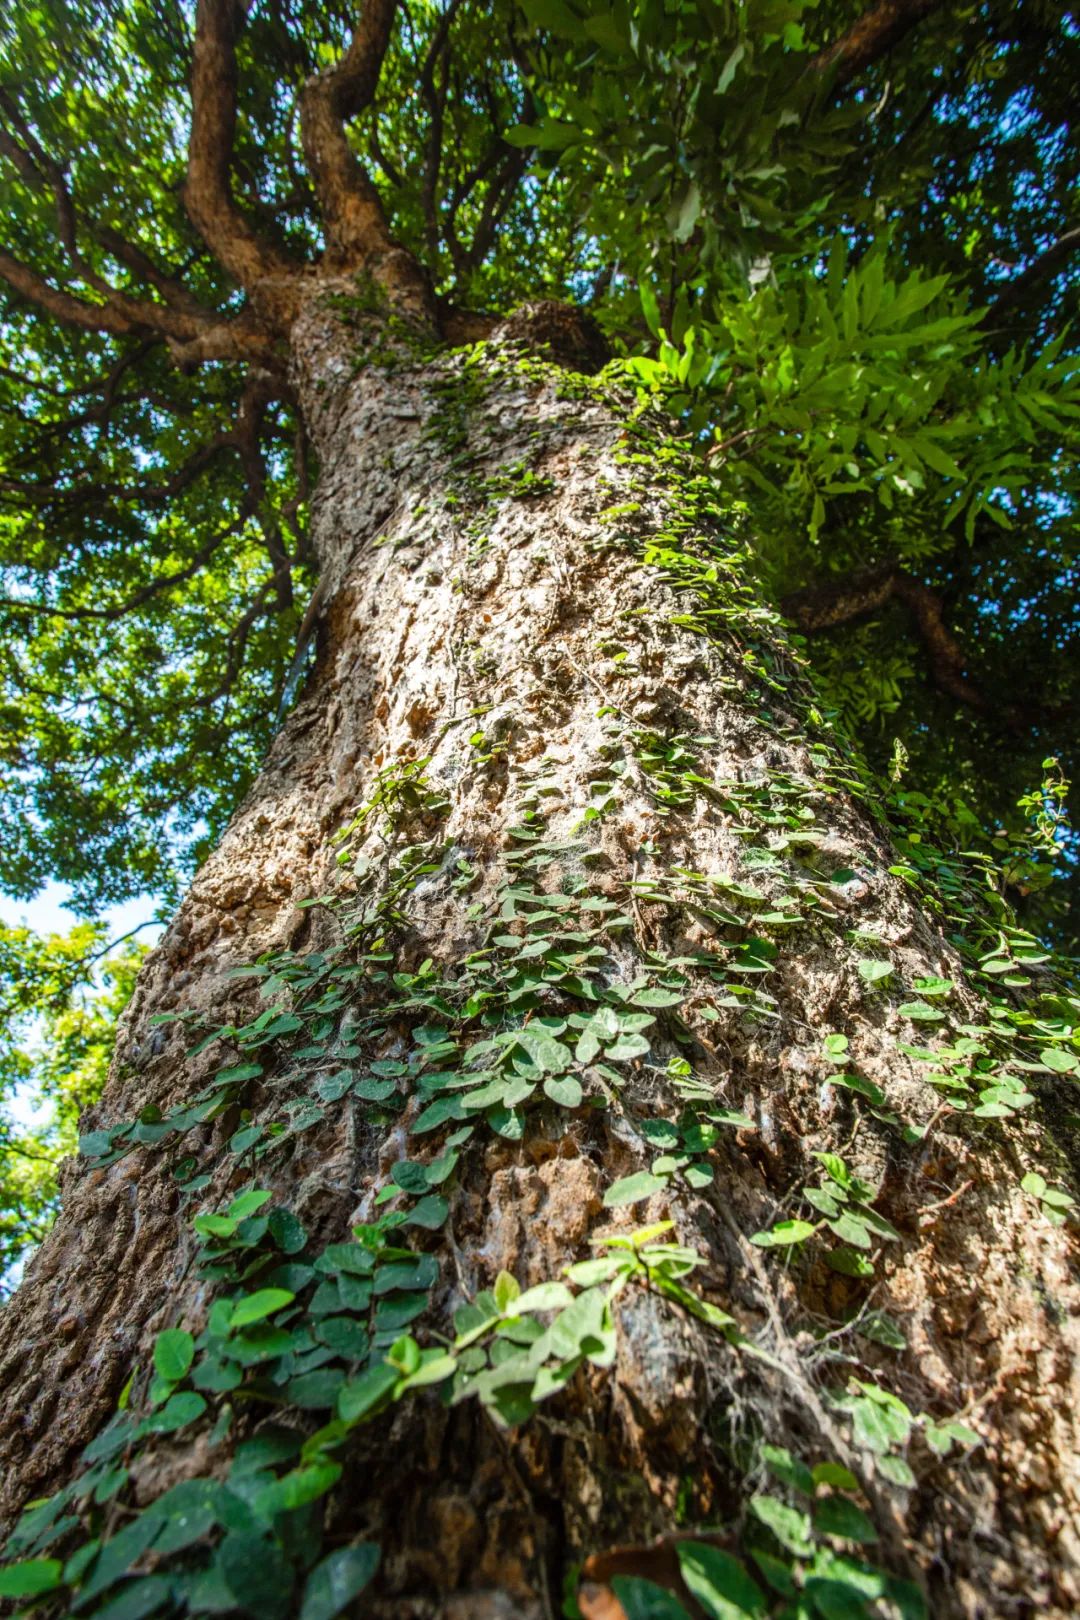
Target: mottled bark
<point>481,531</point>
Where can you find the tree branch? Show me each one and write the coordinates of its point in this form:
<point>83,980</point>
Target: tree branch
<point>824,607</point>
<point>111,316</point>
<point>869,38</point>
<point>435,96</point>
<point>127,253</point>
<point>190,338</point>
<point>1046,264</point>
<point>180,319</point>
<point>357,232</point>
<point>258,392</point>
<point>162,583</point>
<point>208,191</point>
<point>151,494</point>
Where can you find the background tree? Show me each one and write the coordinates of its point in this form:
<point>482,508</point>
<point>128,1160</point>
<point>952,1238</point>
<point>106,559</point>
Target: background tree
<point>62,997</point>
<point>599,921</point>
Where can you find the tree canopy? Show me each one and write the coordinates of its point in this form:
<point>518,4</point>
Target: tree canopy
<point>837,241</point>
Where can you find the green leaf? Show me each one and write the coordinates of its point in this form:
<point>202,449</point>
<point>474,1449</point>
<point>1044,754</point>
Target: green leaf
<point>365,1395</point>
<point>835,1474</point>
<point>921,1012</point>
<point>550,136</point>
<point>353,1258</point>
<point>297,1488</point>
<point>850,1229</point>
<point>345,1335</point>
<point>880,1328</point>
<point>644,1600</point>
<point>549,1055</point>
<point>506,1290</point>
<point>436,1366</point>
<point>246,1203</point>
<point>287,1232</point>
<point>626,1048</point>
<point>790,1527</point>
<point>657,998</point>
<point>233,1077</point>
<point>429,1213</point>
<point>189,1509</point>
<point>650,306</point>
<point>874,971</point>
<point>337,1579</point>
<point>409,1272</point>
<point>136,1599</point>
<point>31,1578</point>
<point>174,1351</point>
<point>836,1516</point>
<point>178,1411</point>
<point>897,1470</point>
<point>784,1234</point>
<point>564,1089</point>
<point>632,1189</point>
<point>257,1575</point>
<point>93,1144</point>
<point>687,214</point>
<point>313,1391</point>
<point>788,1468</point>
<point>940,1437</point>
<point>261,1304</point>
<point>549,1296</point>
<point>729,69</point>
<point>719,1582</point>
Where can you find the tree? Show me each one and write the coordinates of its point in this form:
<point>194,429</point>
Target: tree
<point>56,1061</point>
<point>579,1142</point>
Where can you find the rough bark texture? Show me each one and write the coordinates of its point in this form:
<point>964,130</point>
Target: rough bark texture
<point>457,584</point>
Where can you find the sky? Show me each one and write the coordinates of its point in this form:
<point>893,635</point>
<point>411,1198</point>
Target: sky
<point>47,913</point>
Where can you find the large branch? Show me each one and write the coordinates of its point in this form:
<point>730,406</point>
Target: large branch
<point>357,232</point>
<point>190,338</point>
<point>172,291</point>
<point>208,196</point>
<point>179,318</point>
<point>64,306</point>
<point>825,607</point>
<point>1048,263</point>
<point>870,37</point>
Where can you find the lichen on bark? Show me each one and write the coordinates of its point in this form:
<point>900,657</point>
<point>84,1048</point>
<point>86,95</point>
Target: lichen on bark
<point>556,777</point>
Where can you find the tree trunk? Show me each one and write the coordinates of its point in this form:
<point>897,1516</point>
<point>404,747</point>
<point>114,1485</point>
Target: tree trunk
<point>585,797</point>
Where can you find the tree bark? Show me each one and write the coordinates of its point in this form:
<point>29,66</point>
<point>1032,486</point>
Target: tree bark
<point>511,596</point>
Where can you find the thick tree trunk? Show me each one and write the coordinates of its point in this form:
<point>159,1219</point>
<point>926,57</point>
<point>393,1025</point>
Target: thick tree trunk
<point>583,783</point>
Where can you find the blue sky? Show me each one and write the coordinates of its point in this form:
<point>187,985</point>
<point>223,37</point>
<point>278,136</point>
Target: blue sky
<point>47,913</point>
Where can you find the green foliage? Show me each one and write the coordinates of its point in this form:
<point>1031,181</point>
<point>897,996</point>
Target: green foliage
<point>824,285</point>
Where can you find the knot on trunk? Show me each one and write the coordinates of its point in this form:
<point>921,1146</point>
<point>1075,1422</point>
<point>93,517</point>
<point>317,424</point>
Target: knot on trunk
<point>561,333</point>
